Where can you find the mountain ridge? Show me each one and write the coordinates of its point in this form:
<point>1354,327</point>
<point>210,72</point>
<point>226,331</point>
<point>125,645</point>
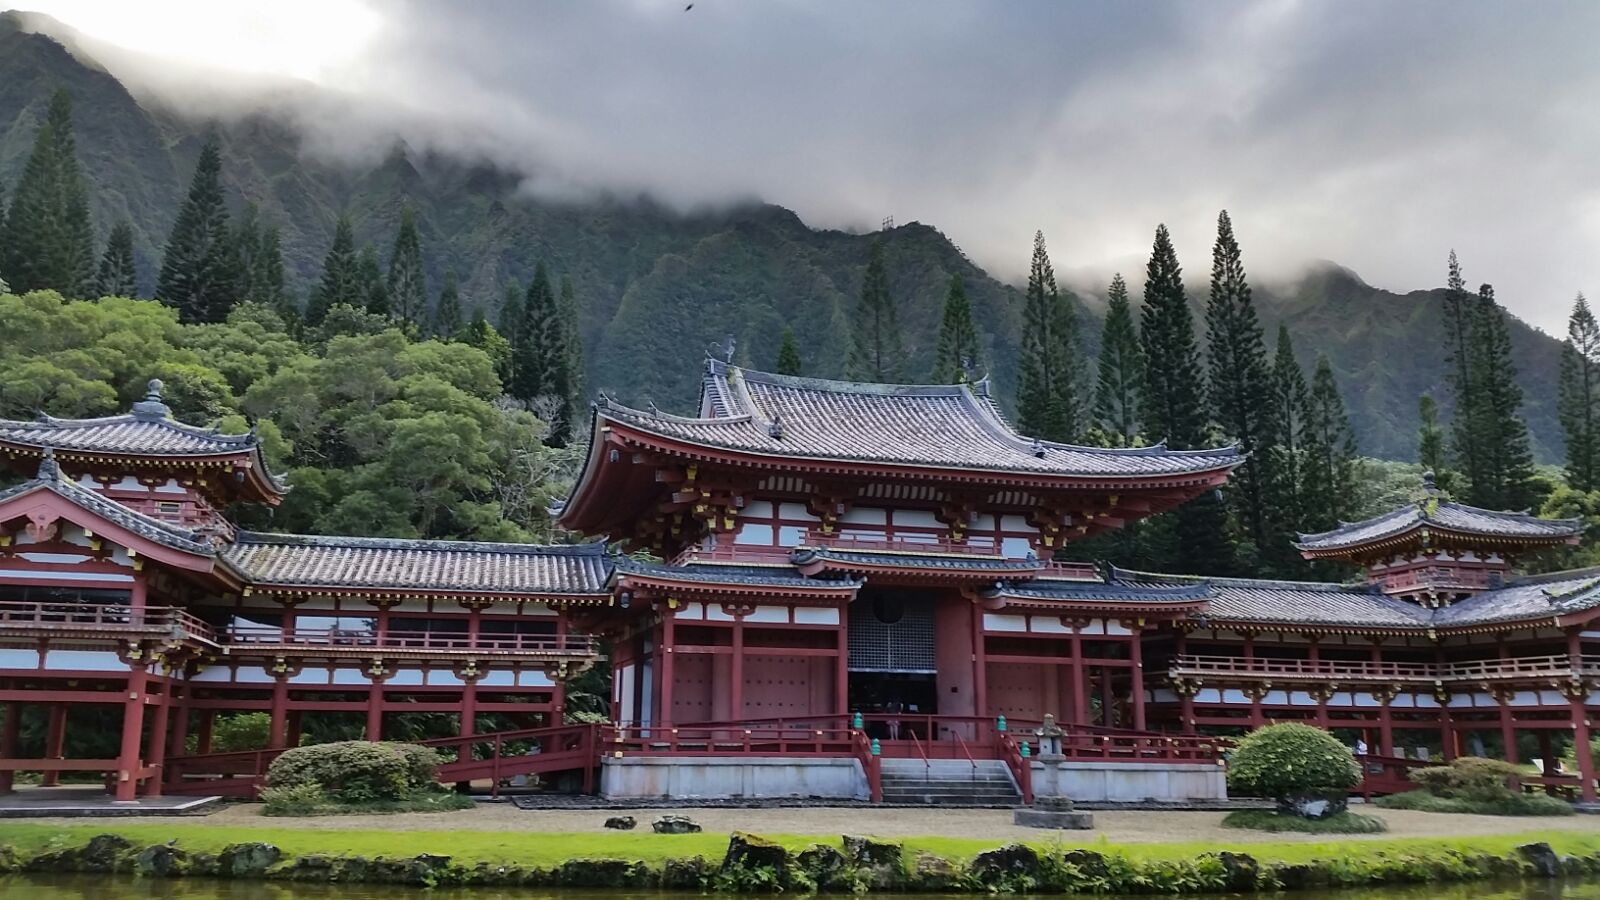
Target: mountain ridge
<point>655,285</point>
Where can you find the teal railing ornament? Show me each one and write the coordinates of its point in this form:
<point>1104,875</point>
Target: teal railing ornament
<point>1000,723</point>
<point>855,721</point>
<point>1025,751</point>
<point>876,750</point>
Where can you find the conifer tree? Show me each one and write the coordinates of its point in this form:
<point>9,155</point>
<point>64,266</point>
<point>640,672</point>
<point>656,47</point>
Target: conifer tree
<point>531,353</point>
<point>1048,405</point>
<point>958,339</point>
<point>259,251</point>
<point>573,356</point>
<point>447,312</point>
<point>1174,408</point>
<point>1505,458</point>
<point>48,242</point>
<point>200,268</point>
<point>408,283</point>
<point>370,284</point>
<point>1328,491</point>
<point>875,348</point>
<point>788,354</point>
<point>1118,420</point>
<point>117,277</point>
<point>1240,384</point>
<point>4,288</point>
<point>1290,399</point>
<point>340,282</point>
<point>1430,440</point>
<point>1458,321</point>
<point>1579,404</point>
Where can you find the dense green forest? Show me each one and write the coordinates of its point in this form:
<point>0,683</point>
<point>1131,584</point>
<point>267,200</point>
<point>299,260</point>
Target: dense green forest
<point>654,286</point>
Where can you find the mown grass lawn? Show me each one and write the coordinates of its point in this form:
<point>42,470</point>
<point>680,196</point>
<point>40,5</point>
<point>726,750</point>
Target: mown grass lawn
<point>551,848</point>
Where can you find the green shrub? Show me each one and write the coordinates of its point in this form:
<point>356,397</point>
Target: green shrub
<point>298,800</point>
<point>422,766</point>
<point>1340,823</point>
<point>1469,778</point>
<point>241,731</point>
<point>1512,805</point>
<point>1291,760</point>
<point>347,771</point>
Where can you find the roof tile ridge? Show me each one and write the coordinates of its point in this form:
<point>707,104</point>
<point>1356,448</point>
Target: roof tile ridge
<point>839,386</point>
<point>613,407</point>
<point>1232,581</point>
<point>1586,572</point>
<point>1345,526</point>
<point>77,493</point>
<point>47,419</point>
<point>1525,515</point>
<point>591,548</point>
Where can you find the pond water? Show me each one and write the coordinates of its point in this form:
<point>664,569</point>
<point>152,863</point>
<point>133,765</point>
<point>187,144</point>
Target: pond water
<point>83,887</point>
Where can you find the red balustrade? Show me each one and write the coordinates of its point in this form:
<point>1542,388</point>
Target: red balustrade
<point>1558,665</point>
<point>266,636</point>
<point>166,621</point>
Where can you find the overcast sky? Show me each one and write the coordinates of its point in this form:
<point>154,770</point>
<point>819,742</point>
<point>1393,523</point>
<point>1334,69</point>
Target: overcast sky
<point>1375,134</point>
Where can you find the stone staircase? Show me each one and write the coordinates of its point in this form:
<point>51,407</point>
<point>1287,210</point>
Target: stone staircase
<point>947,782</point>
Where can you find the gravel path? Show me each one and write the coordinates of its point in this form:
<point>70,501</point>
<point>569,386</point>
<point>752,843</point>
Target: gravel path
<point>1116,826</point>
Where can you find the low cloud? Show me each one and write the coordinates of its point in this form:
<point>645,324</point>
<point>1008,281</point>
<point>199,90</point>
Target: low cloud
<point>1379,135</point>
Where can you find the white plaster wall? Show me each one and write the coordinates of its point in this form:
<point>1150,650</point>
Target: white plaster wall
<point>696,778</point>
<point>1130,782</point>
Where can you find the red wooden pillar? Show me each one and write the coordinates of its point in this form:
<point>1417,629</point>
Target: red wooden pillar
<point>1580,719</point>
<point>1080,688</point>
<point>1136,654</point>
<point>277,732</point>
<point>55,741</point>
<point>1108,697</point>
<point>980,667</point>
<point>8,742</point>
<point>158,743</point>
<point>736,670</point>
<point>1386,727</point>
<point>202,740</point>
<point>668,638</point>
<point>177,737</point>
<point>132,731</point>
<point>558,691</point>
<point>841,675</point>
<point>1508,731</point>
<point>374,730</point>
<point>469,708</point>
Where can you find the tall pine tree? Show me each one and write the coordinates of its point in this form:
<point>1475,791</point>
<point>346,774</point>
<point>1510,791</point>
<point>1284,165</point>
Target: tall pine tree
<point>341,280</point>
<point>875,347</point>
<point>408,283</point>
<point>117,277</point>
<point>4,288</point>
<point>370,283</point>
<point>958,339</point>
<point>1505,458</point>
<point>48,242</point>
<point>447,312</point>
<point>1048,403</point>
<point>788,354</point>
<point>1240,385</point>
<point>566,364</point>
<point>259,251</point>
<point>531,352</point>
<point>1329,444</point>
<point>1118,419</point>
<point>1579,404</point>
<point>1430,440</point>
<point>1174,408</point>
<point>1290,399</point>
<point>1459,315</point>
<point>200,268</point>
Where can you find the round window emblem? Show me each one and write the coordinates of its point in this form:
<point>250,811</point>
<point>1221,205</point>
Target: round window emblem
<point>888,610</point>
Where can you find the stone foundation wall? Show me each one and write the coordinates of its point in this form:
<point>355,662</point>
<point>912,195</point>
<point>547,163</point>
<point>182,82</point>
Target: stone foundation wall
<point>715,777</point>
<point>1097,782</point>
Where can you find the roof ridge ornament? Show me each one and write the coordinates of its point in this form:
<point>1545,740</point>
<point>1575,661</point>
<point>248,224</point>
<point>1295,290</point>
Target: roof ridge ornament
<point>775,427</point>
<point>724,349</point>
<point>152,407</point>
<point>49,469</point>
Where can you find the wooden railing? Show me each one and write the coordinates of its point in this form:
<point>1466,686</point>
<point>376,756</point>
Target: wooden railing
<point>871,764</point>
<point>1021,766</point>
<point>1558,665</point>
<point>347,639</point>
<point>1467,579</point>
<point>726,739</point>
<point>166,621</point>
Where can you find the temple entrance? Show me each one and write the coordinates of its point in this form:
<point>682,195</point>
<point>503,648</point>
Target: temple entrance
<point>893,668</point>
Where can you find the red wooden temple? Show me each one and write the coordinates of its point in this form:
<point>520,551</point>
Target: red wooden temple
<point>818,588</point>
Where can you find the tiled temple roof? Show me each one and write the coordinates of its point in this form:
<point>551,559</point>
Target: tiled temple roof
<point>1103,592</point>
<point>386,563</point>
<point>146,430</point>
<point>1555,594</point>
<point>933,559</point>
<point>752,574</point>
<point>1434,511</point>
<point>1292,602</point>
<point>50,478</point>
<point>950,426</point>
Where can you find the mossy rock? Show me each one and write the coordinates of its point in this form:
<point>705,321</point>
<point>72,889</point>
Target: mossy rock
<point>104,853</point>
<point>247,860</point>
<point>8,859</point>
<point>1242,870</point>
<point>161,861</point>
<point>685,874</point>
<point>865,851</point>
<point>1003,866</point>
<point>601,873</point>
<point>931,872</point>
<point>1090,863</point>
<point>750,851</point>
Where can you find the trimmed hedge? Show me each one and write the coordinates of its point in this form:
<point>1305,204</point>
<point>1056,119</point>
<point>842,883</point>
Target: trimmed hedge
<point>1291,760</point>
<point>354,772</point>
